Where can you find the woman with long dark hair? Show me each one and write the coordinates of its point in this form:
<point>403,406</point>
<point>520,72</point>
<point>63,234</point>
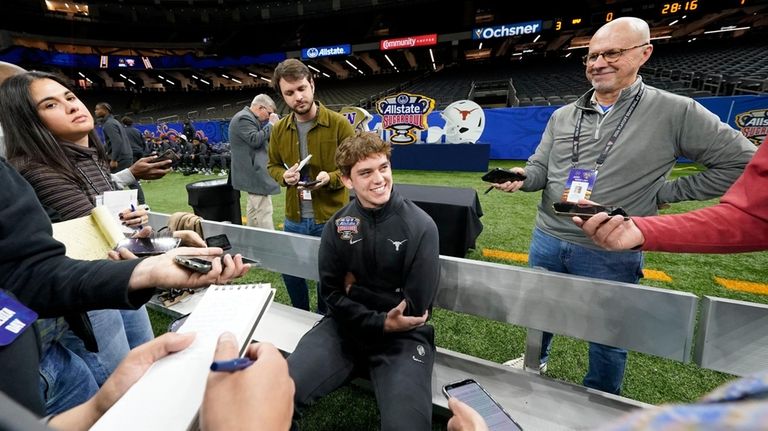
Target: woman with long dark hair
<point>50,139</point>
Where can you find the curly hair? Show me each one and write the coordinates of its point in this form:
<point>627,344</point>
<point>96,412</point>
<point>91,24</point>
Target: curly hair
<point>359,147</point>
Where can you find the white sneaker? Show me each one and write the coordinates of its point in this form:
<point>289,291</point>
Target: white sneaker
<point>518,363</point>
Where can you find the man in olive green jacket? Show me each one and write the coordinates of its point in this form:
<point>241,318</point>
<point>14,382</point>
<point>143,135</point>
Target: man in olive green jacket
<point>314,191</point>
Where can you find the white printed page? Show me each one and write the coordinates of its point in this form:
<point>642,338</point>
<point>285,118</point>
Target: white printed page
<point>118,201</point>
<point>169,395</point>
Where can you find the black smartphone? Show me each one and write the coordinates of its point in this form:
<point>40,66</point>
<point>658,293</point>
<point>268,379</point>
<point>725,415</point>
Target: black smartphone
<point>218,241</point>
<point>472,394</point>
<point>586,211</point>
<point>308,183</point>
<point>168,154</point>
<point>196,264</point>
<point>500,176</point>
<point>148,246</point>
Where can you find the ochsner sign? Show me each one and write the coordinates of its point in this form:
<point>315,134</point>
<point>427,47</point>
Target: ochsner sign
<point>408,42</point>
<point>507,30</point>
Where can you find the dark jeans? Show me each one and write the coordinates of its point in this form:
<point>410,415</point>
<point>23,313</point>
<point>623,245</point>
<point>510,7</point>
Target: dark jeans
<point>606,363</point>
<point>297,287</point>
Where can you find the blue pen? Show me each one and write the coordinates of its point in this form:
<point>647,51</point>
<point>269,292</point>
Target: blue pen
<point>232,364</point>
<point>133,209</point>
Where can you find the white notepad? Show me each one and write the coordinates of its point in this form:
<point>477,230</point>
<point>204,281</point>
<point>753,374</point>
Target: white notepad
<point>169,395</point>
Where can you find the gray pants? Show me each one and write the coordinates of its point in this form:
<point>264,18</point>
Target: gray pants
<point>399,365</point>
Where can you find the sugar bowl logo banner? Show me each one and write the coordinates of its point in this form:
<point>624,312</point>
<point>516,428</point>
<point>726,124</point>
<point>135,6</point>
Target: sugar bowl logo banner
<point>404,114</point>
<point>753,124</point>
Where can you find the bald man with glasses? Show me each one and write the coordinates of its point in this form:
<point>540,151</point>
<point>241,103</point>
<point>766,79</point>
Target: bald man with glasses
<point>249,132</point>
<point>616,145</point>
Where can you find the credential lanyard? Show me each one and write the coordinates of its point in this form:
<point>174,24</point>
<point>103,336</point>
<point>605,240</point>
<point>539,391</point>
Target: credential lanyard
<point>614,136</point>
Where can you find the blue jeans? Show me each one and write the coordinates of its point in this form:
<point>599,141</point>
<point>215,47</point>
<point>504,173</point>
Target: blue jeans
<point>297,287</point>
<point>65,380</point>
<point>117,332</point>
<point>606,363</point>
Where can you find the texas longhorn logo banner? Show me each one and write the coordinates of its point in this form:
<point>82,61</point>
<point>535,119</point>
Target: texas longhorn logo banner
<point>403,114</point>
<point>754,125</point>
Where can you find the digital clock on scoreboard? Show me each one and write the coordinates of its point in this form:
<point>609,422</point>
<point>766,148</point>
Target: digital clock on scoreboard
<point>673,8</point>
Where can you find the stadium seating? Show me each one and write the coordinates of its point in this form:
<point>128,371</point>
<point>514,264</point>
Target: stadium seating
<point>712,69</point>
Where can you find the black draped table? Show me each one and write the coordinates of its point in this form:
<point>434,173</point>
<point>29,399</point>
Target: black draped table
<point>456,212</point>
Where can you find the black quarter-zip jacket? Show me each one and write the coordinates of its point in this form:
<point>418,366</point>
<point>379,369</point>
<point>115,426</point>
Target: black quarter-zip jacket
<point>393,252</point>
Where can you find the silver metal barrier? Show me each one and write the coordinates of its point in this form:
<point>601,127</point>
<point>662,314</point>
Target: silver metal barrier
<point>732,336</point>
<point>644,319</point>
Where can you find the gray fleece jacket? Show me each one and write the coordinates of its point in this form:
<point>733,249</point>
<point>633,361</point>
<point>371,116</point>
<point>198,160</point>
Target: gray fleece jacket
<point>663,127</point>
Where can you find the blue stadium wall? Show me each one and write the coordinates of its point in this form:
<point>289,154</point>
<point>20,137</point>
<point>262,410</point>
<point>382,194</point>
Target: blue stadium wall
<point>514,133</point>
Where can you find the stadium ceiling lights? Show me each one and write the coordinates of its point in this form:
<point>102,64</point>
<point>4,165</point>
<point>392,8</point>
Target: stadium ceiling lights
<point>727,29</point>
<point>67,7</point>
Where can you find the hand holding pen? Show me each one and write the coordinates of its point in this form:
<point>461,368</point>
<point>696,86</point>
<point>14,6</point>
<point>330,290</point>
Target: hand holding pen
<point>135,218</point>
<point>291,175</point>
<point>258,393</point>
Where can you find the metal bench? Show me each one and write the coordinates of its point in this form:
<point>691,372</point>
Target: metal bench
<point>643,319</point>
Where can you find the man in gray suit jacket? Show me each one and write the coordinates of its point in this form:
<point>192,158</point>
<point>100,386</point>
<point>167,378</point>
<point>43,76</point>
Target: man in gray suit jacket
<point>249,132</point>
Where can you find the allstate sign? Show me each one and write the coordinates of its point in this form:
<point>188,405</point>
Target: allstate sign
<point>325,51</point>
<point>507,30</point>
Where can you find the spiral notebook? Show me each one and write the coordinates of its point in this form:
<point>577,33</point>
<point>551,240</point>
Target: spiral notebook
<point>168,396</point>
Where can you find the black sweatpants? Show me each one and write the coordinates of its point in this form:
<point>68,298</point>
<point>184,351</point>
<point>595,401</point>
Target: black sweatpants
<point>399,365</point>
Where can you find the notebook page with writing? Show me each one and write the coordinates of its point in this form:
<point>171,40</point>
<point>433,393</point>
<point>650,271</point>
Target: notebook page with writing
<point>89,237</point>
<point>169,395</point>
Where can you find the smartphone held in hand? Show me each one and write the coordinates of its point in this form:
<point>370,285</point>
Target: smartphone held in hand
<point>167,155</point>
<point>472,394</point>
<point>586,211</point>
<point>308,183</point>
<point>500,176</point>
<point>196,264</point>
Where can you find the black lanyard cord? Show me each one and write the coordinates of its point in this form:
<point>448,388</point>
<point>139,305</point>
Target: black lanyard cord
<point>614,136</point>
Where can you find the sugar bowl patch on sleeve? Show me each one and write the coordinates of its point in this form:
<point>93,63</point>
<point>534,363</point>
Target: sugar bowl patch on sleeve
<point>347,227</point>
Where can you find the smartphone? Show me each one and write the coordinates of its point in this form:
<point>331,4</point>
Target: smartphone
<point>472,394</point>
<point>167,155</point>
<point>148,246</point>
<point>308,183</point>
<point>500,176</point>
<point>194,263</point>
<point>586,211</point>
<point>218,241</point>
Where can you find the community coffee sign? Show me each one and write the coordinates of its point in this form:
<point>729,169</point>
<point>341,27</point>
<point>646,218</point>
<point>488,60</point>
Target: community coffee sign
<point>403,114</point>
<point>408,42</point>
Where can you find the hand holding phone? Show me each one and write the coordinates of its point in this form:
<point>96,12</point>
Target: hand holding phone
<point>472,394</point>
<point>501,176</point>
<point>586,211</point>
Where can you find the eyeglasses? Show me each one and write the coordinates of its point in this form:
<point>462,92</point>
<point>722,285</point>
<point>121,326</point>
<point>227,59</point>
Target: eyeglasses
<point>609,56</point>
<point>269,111</point>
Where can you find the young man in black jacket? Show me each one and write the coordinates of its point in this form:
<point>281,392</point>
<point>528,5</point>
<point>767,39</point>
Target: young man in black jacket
<point>379,272</point>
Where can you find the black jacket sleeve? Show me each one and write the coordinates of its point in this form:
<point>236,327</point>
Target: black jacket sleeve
<point>33,266</point>
<point>354,316</point>
<point>423,277</point>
